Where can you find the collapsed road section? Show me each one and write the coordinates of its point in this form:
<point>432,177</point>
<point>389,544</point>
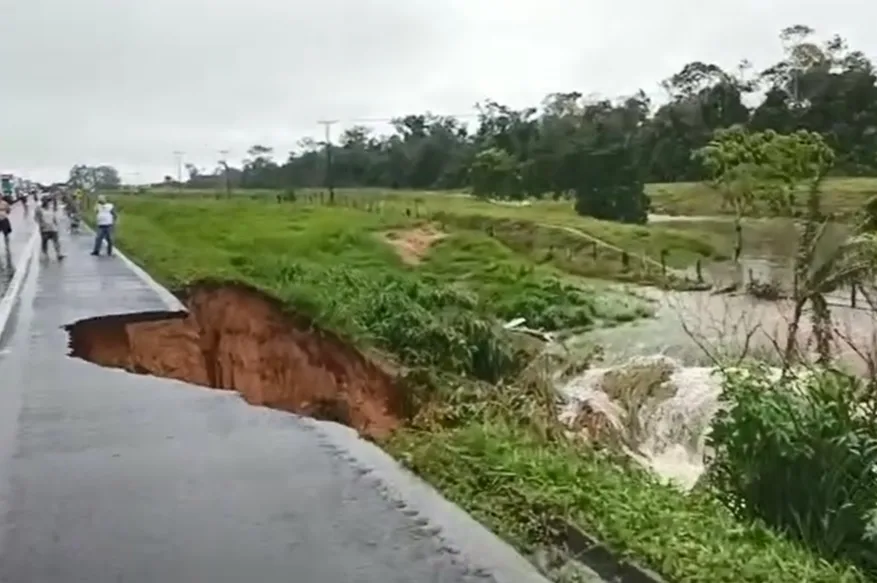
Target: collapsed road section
<point>237,338</point>
<point>111,476</point>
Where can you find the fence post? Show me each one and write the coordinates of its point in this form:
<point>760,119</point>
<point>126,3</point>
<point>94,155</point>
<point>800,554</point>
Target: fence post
<point>625,261</point>
<point>853,297</point>
<point>699,271</point>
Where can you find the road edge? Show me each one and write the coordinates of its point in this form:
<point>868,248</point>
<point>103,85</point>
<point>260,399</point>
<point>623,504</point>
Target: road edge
<point>10,296</point>
<point>172,302</point>
<point>459,533</point>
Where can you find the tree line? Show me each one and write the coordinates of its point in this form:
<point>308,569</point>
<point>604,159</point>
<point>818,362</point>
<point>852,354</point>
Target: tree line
<point>601,151</point>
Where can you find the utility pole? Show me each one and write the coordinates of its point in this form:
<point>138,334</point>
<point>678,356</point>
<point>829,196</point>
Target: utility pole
<point>178,155</point>
<point>135,182</point>
<point>329,178</point>
<point>224,162</point>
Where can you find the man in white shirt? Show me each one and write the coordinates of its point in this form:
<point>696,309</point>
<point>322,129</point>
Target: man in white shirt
<point>106,220</point>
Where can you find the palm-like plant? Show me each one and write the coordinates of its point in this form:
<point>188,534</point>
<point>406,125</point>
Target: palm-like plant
<point>852,264</point>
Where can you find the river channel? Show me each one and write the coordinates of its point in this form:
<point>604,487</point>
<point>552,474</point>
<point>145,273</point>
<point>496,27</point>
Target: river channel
<point>689,331</point>
<point>690,326</point>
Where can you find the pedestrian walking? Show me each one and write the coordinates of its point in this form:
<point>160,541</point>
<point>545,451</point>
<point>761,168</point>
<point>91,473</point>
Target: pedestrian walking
<point>73,214</point>
<point>5,223</point>
<point>106,221</point>
<point>49,223</point>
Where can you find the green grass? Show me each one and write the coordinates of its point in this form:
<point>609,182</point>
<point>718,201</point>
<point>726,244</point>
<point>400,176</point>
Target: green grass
<point>547,232</point>
<point>492,446</point>
<point>337,263</point>
<point>843,197</point>
<point>519,485</point>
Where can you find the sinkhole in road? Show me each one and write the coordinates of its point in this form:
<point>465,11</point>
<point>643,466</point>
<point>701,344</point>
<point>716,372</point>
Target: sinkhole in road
<point>235,337</point>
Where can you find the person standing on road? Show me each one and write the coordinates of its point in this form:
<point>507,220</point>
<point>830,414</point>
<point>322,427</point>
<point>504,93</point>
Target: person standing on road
<point>5,224</point>
<point>106,220</point>
<point>49,225</point>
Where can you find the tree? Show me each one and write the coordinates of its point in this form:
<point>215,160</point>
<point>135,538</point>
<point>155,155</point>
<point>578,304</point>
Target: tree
<point>731,159</point>
<point>192,172</point>
<point>494,173</point>
<point>102,177</point>
<point>767,167</point>
<point>818,84</point>
<point>606,178</point>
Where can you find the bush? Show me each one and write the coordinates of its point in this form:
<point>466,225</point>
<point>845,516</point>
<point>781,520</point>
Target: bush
<point>424,324</point>
<point>801,454</point>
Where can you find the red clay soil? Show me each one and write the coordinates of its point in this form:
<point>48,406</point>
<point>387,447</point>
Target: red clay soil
<point>238,338</point>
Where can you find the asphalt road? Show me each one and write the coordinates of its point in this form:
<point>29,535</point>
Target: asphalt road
<point>111,477</point>
<point>22,227</point>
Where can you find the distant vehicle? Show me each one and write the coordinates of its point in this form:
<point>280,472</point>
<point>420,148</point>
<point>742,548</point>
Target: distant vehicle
<point>7,187</point>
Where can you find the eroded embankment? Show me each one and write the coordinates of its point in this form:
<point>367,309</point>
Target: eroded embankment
<point>238,338</point>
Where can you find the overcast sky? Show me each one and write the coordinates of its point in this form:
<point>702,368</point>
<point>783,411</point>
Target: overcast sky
<point>127,82</point>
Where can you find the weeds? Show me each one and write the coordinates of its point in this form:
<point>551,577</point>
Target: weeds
<point>801,455</point>
<point>518,484</point>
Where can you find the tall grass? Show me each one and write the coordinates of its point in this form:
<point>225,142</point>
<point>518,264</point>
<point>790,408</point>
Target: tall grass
<point>801,454</point>
<point>424,325</point>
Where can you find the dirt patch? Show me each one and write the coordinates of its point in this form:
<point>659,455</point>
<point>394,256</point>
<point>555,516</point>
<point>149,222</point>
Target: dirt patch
<point>237,338</point>
<point>412,245</point>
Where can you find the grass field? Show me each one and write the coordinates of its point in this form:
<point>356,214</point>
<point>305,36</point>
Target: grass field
<point>422,278</point>
<point>589,247</point>
<point>843,197</point>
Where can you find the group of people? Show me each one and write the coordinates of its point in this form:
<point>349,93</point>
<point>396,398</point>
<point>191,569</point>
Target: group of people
<point>48,217</point>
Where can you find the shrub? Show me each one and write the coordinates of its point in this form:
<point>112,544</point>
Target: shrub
<point>424,324</point>
<point>800,453</point>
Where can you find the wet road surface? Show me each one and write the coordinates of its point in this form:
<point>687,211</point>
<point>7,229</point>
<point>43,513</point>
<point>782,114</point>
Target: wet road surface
<point>22,228</point>
<point>13,269</point>
<point>108,477</point>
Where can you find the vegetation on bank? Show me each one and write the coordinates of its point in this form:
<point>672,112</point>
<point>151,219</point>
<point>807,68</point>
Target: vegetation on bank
<point>801,455</point>
<point>338,264</point>
<point>798,449</point>
<point>519,484</point>
<point>492,445</point>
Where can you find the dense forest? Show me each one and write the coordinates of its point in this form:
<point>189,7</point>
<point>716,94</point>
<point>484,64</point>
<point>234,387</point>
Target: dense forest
<point>572,144</point>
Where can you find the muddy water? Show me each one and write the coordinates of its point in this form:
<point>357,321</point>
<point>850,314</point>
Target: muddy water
<point>695,327</point>
<point>665,431</point>
<point>690,326</point>
<point>690,330</point>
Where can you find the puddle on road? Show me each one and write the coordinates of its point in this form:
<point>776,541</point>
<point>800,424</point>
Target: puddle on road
<point>237,338</point>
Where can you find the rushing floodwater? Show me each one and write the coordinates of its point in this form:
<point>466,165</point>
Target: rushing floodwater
<point>670,433</point>
<point>691,328</point>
